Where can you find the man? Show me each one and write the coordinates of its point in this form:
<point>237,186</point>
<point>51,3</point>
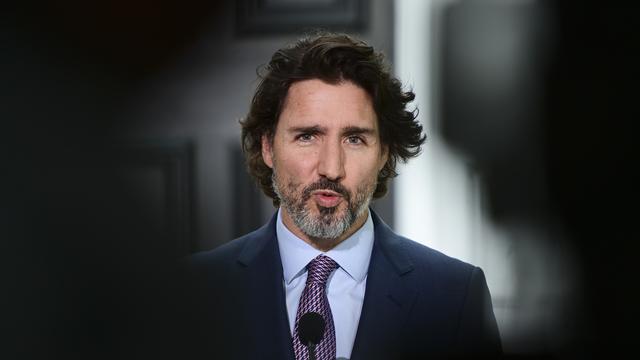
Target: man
<point>327,125</point>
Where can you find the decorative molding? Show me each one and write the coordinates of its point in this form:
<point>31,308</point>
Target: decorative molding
<point>255,17</point>
<point>247,197</point>
<point>164,171</point>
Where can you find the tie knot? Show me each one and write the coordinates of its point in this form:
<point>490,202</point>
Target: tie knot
<point>320,268</point>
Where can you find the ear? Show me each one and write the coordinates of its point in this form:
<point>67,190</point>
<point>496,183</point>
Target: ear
<point>384,156</point>
<point>267,151</point>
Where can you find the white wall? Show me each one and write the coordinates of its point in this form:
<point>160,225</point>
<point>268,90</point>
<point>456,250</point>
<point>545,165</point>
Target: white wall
<point>439,201</point>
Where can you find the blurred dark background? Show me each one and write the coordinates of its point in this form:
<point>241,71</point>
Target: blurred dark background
<point>120,154</point>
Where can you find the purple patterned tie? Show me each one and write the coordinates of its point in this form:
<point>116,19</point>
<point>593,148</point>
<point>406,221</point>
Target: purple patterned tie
<point>314,298</point>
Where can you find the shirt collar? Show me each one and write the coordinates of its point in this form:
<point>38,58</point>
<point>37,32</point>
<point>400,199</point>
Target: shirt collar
<point>352,255</point>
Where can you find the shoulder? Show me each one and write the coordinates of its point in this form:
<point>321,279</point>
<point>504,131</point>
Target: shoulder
<point>226,256</point>
<point>426,259</point>
<point>410,256</point>
<point>452,294</point>
<point>225,253</point>
<point>433,270</point>
<point>236,251</point>
<point>207,273</point>
<point>444,279</point>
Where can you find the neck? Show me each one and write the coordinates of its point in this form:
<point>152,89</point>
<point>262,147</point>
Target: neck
<point>323,244</point>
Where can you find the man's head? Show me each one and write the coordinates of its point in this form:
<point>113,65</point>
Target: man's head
<point>326,127</point>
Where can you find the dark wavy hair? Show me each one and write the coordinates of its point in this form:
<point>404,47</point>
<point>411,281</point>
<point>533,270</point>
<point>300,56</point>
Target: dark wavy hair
<point>332,58</point>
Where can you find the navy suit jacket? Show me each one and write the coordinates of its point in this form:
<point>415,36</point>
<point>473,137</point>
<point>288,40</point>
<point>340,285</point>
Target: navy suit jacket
<point>418,302</point>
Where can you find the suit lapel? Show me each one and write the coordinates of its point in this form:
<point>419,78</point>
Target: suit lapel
<point>266,307</point>
<point>388,297</point>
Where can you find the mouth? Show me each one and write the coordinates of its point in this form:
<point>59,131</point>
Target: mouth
<point>327,198</point>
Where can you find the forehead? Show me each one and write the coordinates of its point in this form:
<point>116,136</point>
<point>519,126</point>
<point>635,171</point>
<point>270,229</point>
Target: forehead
<point>315,102</point>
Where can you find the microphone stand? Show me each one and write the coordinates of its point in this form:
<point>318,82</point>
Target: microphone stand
<point>312,350</point>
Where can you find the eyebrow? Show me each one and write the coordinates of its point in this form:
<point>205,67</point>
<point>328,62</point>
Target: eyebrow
<point>316,129</point>
<point>356,130</point>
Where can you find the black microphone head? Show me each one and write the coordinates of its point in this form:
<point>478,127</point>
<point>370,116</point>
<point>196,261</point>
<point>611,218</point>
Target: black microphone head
<point>311,328</point>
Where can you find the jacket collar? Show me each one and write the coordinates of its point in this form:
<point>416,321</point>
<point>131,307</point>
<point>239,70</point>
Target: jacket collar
<point>388,300</point>
<point>388,243</point>
<point>257,242</point>
<point>389,295</point>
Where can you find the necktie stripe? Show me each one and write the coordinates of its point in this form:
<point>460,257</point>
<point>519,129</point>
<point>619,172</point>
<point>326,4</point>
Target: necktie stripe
<point>314,299</point>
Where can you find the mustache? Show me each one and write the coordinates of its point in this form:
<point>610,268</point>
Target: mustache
<point>326,184</point>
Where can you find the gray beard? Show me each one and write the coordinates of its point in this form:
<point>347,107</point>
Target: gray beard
<point>327,225</point>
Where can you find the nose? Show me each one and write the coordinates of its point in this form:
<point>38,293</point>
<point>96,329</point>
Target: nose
<point>331,161</point>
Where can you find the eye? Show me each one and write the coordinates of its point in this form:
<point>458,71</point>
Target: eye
<point>306,137</point>
<point>355,140</point>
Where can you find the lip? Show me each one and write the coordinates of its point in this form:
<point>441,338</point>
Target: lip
<point>327,198</point>
<point>325,193</point>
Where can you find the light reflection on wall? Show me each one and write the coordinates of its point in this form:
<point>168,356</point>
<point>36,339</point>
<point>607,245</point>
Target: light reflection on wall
<point>476,107</point>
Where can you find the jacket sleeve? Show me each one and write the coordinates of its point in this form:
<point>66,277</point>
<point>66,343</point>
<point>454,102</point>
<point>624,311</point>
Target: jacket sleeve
<point>477,329</point>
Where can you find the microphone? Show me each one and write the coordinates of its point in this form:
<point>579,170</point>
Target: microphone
<point>310,331</point>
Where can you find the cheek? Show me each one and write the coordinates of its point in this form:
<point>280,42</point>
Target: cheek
<point>297,166</point>
<point>363,171</point>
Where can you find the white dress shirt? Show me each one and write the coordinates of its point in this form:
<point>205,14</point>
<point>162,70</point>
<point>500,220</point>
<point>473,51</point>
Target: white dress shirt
<point>345,286</point>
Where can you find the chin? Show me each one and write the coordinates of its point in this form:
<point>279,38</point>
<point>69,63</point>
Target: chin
<point>334,210</point>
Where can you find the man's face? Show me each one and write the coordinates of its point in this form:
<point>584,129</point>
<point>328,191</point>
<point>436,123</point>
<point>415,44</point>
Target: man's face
<point>325,155</point>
